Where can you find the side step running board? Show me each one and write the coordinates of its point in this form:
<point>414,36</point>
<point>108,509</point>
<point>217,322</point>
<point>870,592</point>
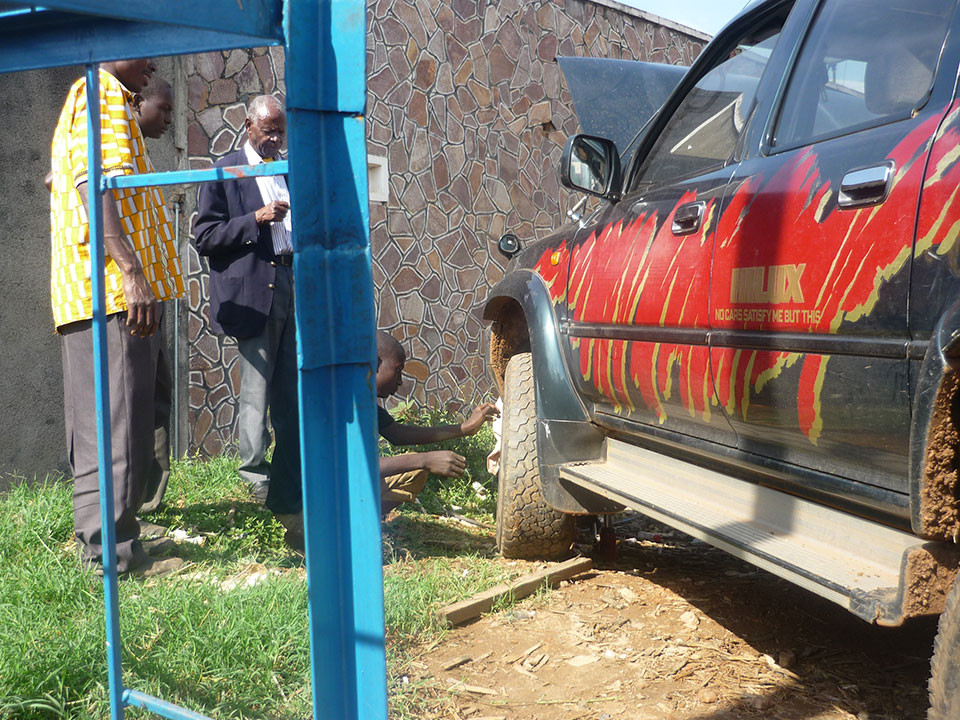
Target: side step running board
<point>859,564</point>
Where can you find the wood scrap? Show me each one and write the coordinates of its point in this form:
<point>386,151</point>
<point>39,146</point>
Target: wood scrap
<point>522,670</point>
<point>521,587</point>
<point>530,650</point>
<point>457,662</point>
<point>476,689</point>
<point>466,520</point>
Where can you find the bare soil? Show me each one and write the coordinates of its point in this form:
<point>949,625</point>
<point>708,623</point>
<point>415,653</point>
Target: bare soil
<point>674,629</point>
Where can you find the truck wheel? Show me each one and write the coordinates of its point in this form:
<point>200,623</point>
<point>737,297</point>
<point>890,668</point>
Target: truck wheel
<point>527,527</point>
<point>945,666</point>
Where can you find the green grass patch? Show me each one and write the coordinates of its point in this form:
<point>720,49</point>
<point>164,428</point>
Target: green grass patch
<point>235,654</point>
<point>203,638</point>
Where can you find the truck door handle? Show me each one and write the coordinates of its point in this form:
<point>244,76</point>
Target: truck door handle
<point>866,186</point>
<point>688,217</point>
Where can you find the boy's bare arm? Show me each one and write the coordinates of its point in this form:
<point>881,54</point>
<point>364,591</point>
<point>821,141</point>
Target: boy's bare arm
<point>400,434</point>
<point>438,462</point>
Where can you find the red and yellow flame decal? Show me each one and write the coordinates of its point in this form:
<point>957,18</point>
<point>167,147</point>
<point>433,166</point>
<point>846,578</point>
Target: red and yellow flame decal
<point>847,256</point>
<point>938,224</point>
<point>637,272</point>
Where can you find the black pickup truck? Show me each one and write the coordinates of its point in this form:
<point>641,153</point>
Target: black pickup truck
<point>755,335</point>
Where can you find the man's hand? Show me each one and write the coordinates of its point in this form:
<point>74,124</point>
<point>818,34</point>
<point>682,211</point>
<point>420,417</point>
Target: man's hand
<point>445,462</point>
<point>483,413</point>
<point>272,212</point>
<point>141,303</point>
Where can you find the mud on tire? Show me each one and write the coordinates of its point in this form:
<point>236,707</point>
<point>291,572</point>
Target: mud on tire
<point>527,527</point>
<point>945,666</point>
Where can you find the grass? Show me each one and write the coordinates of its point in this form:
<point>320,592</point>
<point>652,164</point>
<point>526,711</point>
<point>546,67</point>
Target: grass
<point>227,650</point>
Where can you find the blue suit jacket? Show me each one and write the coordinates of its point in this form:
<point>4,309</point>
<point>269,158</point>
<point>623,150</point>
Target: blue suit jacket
<point>240,253</point>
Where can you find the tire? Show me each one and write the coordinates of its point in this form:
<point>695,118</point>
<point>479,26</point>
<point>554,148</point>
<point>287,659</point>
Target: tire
<point>527,527</point>
<point>945,666</point>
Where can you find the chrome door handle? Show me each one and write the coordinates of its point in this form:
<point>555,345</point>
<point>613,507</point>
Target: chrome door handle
<point>688,217</point>
<point>866,186</point>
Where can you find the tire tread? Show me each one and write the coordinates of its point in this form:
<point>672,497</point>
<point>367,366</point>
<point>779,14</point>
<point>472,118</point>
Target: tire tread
<point>527,527</point>
<point>945,665</point>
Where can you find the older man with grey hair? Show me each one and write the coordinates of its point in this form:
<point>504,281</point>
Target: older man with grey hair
<point>243,229</point>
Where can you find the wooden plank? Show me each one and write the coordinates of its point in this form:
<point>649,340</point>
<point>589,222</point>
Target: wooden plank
<point>521,587</point>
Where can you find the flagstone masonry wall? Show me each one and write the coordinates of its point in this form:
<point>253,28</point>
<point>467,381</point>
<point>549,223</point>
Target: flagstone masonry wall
<point>471,111</point>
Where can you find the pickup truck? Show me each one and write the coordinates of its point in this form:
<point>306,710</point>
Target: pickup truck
<point>754,335</point>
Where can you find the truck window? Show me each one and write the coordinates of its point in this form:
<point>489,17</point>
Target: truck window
<point>864,63</point>
<point>705,128</point>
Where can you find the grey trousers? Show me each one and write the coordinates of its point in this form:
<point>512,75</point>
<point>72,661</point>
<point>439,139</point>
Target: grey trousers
<point>132,371</point>
<point>268,381</point>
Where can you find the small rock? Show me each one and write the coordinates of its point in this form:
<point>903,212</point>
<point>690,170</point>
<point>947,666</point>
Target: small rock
<point>690,620</point>
<point>581,660</point>
<point>708,695</point>
<point>760,702</point>
<point>609,654</point>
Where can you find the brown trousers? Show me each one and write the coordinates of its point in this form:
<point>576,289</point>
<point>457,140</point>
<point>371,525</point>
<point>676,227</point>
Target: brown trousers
<point>132,372</point>
<point>405,487</point>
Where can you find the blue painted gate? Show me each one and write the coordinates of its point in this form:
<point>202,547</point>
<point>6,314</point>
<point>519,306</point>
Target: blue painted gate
<point>325,45</point>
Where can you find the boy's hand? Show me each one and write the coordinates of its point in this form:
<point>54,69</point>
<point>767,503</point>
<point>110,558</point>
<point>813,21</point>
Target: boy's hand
<point>445,462</point>
<point>483,413</point>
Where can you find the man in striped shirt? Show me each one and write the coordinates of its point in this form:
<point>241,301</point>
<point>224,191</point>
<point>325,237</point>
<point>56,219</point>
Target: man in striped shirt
<point>243,228</point>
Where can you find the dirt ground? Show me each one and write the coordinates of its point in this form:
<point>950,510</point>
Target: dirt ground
<point>677,630</point>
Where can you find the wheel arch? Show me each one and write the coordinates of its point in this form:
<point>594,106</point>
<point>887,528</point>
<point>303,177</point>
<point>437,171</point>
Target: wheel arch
<point>522,318</point>
<point>935,435</point>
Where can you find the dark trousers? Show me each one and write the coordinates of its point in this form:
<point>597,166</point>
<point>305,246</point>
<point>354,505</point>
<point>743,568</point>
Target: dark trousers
<point>269,380</point>
<point>132,370</point>
<point>159,473</point>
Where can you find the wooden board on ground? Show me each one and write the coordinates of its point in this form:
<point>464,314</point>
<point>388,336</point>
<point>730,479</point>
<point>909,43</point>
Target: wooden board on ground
<point>521,587</point>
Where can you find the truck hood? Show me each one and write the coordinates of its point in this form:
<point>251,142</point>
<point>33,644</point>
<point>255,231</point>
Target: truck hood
<point>615,98</point>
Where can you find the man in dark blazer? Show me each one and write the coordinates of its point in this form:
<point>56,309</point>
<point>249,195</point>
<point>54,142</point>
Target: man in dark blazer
<point>243,229</point>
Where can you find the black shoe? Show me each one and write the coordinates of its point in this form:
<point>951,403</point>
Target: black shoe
<point>259,491</point>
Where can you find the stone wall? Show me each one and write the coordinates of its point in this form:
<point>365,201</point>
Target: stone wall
<point>219,85</point>
<point>470,109</point>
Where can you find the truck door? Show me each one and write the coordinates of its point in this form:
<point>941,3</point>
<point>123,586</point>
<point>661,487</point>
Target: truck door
<point>812,263</point>
<point>638,281</point>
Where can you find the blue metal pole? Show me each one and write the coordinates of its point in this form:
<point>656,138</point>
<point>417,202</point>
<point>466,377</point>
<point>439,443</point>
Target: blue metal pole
<point>108,534</point>
<point>326,97</point>
<point>182,177</point>
<point>160,707</point>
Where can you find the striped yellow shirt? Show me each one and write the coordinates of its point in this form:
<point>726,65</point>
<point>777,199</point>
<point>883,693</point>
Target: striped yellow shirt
<point>143,213</point>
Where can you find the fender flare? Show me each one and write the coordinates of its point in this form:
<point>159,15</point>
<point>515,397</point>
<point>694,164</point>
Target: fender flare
<point>564,431</point>
<point>935,435</point>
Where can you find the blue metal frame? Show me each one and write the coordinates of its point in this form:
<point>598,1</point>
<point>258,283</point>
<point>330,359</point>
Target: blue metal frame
<point>326,97</point>
<point>184,177</point>
<point>325,43</point>
<point>102,389</point>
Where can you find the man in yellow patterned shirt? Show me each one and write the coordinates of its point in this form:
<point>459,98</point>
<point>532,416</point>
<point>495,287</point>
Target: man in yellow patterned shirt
<point>141,270</point>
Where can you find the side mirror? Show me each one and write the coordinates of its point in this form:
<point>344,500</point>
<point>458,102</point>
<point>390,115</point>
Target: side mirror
<point>591,164</point>
<point>508,245</point>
